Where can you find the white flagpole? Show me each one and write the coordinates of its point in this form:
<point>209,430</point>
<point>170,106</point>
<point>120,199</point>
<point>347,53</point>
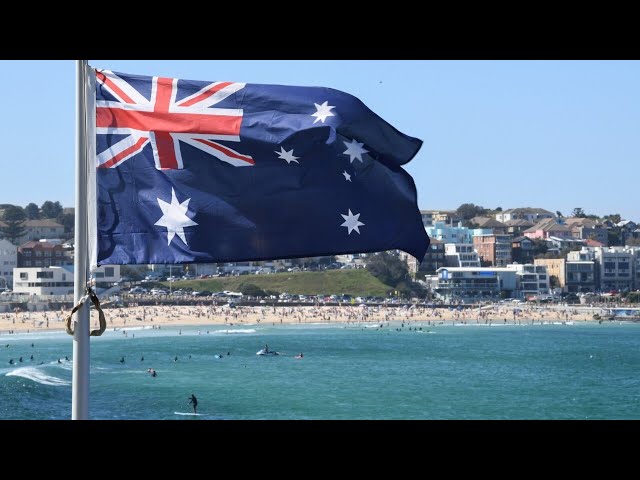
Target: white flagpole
<point>80,385</point>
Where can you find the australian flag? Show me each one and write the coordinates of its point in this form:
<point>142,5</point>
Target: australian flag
<point>202,172</point>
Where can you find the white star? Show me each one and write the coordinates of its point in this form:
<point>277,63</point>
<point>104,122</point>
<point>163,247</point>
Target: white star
<point>174,217</point>
<point>288,156</point>
<point>323,111</point>
<point>351,222</point>
<point>354,150</point>
<point>347,177</point>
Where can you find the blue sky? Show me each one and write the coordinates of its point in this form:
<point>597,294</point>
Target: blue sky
<point>550,134</point>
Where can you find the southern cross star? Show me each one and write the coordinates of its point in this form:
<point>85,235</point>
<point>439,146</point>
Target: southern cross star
<point>347,177</point>
<point>322,112</point>
<point>351,222</point>
<point>354,150</point>
<point>174,217</point>
<point>288,156</point>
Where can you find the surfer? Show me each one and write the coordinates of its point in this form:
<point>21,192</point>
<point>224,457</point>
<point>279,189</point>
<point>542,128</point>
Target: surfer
<point>193,400</point>
<point>175,359</point>
<point>11,361</point>
<point>121,359</point>
<point>266,348</point>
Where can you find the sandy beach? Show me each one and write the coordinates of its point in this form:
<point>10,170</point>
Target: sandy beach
<point>210,316</point>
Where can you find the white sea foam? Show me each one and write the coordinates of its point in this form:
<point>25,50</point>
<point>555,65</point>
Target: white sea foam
<point>64,364</point>
<point>240,330</point>
<point>38,376</point>
<point>129,329</point>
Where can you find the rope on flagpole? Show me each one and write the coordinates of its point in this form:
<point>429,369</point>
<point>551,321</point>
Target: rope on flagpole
<point>90,295</point>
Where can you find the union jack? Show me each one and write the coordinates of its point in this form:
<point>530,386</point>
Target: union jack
<point>164,122</point>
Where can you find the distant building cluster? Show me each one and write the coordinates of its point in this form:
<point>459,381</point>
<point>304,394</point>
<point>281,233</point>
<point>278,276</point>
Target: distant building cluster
<point>524,253</point>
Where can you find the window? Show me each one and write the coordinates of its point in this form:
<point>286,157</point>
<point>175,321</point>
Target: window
<point>44,275</point>
<point>27,253</point>
<point>108,271</point>
<point>47,253</point>
<point>27,263</point>
<point>58,253</point>
<point>24,276</point>
<point>38,253</point>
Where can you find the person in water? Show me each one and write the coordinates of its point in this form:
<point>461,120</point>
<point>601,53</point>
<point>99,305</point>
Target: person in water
<point>121,359</point>
<point>266,348</point>
<point>193,400</point>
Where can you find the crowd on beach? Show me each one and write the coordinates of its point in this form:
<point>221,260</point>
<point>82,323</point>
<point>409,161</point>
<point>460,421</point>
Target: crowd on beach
<point>210,315</point>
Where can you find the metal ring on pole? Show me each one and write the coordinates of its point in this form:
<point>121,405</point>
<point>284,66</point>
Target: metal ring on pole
<point>96,303</point>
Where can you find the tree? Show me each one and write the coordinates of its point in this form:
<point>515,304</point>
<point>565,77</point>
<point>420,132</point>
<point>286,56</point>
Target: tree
<point>252,290</point>
<point>67,220</point>
<point>51,209</point>
<point>134,272</point>
<point>498,209</point>
<point>468,210</point>
<point>387,268</point>
<point>614,217</point>
<point>559,213</point>
<point>32,211</point>
<point>539,247</point>
<point>578,213</point>
<point>633,242</point>
<point>14,218</point>
<point>614,237</point>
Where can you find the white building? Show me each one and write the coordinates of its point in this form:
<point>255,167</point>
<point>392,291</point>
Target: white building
<point>531,280</point>
<point>37,229</point>
<point>461,255</point>
<point>59,280</point>
<point>615,267</point>
<point>533,215</point>
<point>8,261</point>
<point>481,283</point>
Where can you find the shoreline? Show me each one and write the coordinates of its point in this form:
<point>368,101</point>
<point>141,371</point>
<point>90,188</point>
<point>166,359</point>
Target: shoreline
<point>209,316</point>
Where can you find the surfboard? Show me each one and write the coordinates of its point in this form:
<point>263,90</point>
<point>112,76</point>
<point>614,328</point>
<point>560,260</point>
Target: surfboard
<point>189,413</point>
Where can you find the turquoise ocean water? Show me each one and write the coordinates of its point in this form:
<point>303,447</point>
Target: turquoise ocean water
<point>581,371</point>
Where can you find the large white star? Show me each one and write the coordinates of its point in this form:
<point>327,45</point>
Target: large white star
<point>351,222</point>
<point>174,217</point>
<point>347,177</point>
<point>354,150</point>
<point>288,156</point>
<point>323,111</point>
